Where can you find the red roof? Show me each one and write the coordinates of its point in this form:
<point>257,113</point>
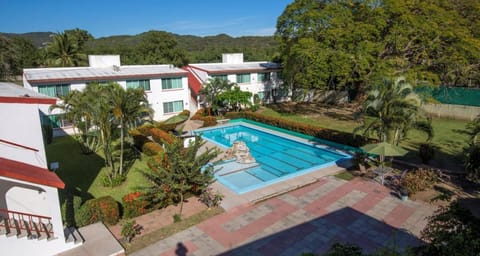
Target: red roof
<point>193,82</point>
<point>26,172</point>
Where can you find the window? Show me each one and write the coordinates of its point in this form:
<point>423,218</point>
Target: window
<point>221,77</point>
<point>262,77</point>
<point>56,121</point>
<point>243,78</point>
<point>261,95</point>
<point>172,83</point>
<point>279,75</point>
<point>280,92</point>
<point>174,106</point>
<point>54,90</point>
<point>145,84</point>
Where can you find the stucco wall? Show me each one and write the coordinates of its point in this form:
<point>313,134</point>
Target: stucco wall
<point>21,125</point>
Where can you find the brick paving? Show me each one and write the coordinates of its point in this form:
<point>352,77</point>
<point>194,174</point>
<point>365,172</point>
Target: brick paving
<point>309,219</point>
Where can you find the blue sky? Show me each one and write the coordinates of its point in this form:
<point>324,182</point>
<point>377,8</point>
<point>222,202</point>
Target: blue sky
<point>123,17</point>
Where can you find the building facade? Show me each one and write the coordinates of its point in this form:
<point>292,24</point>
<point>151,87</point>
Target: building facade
<point>261,78</point>
<point>166,86</point>
<point>30,217</point>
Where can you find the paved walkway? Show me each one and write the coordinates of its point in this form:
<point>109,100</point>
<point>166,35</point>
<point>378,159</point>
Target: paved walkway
<point>309,219</point>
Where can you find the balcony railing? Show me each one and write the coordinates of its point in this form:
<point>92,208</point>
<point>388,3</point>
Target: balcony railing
<point>26,224</point>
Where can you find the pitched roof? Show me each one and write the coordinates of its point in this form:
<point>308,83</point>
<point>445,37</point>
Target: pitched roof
<point>193,81</point>
<point>228,68</point>
<point>12,93</point>
<point>30,173</point>
<point>59,75</point>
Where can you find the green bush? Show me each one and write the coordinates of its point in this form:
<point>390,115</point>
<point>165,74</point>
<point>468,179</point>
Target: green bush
<point>419,180</point>
<point>207,120</point>
<point>103,209</point>
<point>69,210</point>
<point>472,163</point>
<point>322,133</point>
<point>133,205</point>
<point>151,148</point>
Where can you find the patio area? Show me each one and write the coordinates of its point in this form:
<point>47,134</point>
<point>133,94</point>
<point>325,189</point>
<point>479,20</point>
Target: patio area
<point>308,219</point>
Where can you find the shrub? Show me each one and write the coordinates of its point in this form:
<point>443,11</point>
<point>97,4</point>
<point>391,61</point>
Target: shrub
<point>323,133</point>
<point>177,218</point>
<point>472,163</point>
<point>69,210</point>
<point>134,205</point>
<point>138,138</point>
<point>210,198</point>
<point>128,230</point>
<point>207,120</point>
<point>100,209</point>
<point>426,152</point>
<point>108,181</point>
<point>185,112</point>
<point>145,129</point>
<point>151,148</point>
<point>161,136</point>
<point>419,180</point>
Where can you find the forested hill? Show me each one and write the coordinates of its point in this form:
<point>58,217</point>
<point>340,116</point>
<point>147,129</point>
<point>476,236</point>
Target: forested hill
<point>198,49</point>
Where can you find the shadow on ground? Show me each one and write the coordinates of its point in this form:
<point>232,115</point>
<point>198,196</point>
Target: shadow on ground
<point>318,235</point>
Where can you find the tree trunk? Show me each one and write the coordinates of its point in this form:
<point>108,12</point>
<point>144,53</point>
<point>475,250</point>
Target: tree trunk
<point>120,167</point>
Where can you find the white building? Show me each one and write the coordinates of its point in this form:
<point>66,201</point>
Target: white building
<point>30,218</point>
<point>261,78</point>
<point>166,86</point>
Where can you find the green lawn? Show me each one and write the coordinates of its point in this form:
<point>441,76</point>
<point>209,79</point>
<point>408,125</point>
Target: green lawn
<point>85,172</point>
<point>450,137</point>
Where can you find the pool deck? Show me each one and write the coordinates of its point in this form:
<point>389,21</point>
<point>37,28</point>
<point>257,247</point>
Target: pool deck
<point>308,219</point>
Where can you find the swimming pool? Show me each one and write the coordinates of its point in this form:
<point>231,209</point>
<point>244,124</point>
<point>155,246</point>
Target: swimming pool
<point>278,156</point>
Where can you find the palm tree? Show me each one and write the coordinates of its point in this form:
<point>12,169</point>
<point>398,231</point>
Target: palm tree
<point>211,90</point>
<point>128,107</point>
<point>64,51</point>
<point>395,109</point>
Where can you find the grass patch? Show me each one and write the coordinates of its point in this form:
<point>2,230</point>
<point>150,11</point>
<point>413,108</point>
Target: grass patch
<point>450,135</point>
<point>84,172</point>
<point>345,175</point>
<point>162,233</point>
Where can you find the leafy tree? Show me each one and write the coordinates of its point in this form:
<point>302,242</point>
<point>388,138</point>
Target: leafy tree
<point>211,92</point>
<point>348,44</point>
<point>64,51</point>
<point>235,99</point>
<point>394,109</point>
<point>158,47</point>
<point>181,170</point>
<point>452,231</point>
<point>16,53</point>
<point>474,130</point>
<point>80,36</point>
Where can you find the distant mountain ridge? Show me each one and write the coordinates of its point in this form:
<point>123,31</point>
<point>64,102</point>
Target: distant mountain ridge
<point>207,48</point>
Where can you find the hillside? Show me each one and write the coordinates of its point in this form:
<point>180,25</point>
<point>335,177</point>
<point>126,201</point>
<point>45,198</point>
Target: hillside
<point>198,49</point>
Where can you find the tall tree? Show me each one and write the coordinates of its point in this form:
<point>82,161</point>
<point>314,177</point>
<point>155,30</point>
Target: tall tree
<point>64,51</point>
<point>158,47</point>
<point>128,108</point>
<point>235,99</point>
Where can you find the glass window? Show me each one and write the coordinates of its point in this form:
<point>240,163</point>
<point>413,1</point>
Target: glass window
<point>221,77</point>
<point>262,77</point>
<point>56,121</point>
<point>172,83</point>
<point>174,106</point>
<point>54,90</point>
<point>261,95</point>
<point>145,84</point>
<point>243,78</point>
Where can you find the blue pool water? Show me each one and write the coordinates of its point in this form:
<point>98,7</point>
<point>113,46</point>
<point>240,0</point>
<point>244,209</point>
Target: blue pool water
<point>278,156</point>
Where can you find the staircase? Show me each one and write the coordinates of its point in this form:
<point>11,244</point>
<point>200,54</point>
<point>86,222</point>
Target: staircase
<point>21,225</point>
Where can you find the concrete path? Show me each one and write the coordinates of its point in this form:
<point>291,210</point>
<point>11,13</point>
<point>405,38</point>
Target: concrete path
<point>309,219</point>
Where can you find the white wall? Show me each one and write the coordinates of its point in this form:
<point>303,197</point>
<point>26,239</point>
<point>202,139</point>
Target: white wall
<point>232,58</point>
<point>157,96</point>
<point>102,61</point>
<point>21,125</point>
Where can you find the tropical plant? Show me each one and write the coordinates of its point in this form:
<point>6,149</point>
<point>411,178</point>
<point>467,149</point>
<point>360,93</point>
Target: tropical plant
<point>129,230</point>
<point>394,109</point>
<point>211,92</point>
<point>64,51</point>
<point>452,231</point>
<point>474,130</point>
<point>182,170</point>
<point>235,99</point>
<point>210,198</point>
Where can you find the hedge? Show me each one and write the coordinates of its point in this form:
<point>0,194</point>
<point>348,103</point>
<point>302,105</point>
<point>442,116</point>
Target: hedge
<point>207,120</point>
<point>161,136</point>
<point>322,133</point>
<point>99,209</point>
<point>151,148</point>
